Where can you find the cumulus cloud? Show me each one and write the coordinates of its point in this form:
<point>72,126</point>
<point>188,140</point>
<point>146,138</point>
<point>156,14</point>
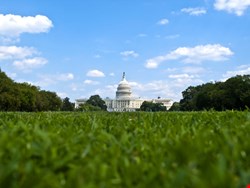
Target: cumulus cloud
<point>48,79</point>
<point>181,76</point>
<point>197,54</point>
<point>28,64</point>
<point>163,21</point>
<point>95,73</point>
<point>11,27</point>
<point>24,57</point>
<point>14,25</point>
<point>62,94</point>
<point>65,77</point>
<point>107,91</point>
<point>90,82</point>
<point>4,40</point>
<point>241,70</point>
<point>232,6</point>
<point>194,11</point>
<point>14,52</point>
<point>153,89</point>
<point>184,80</point>
<point>181,81</point>
<point>129,54</point>
<point>193,70</point>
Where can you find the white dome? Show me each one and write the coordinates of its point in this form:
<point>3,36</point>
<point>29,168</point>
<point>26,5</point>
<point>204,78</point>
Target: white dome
<point>123,89</point>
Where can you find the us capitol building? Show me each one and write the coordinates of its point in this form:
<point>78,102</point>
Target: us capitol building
<point>124,102</point>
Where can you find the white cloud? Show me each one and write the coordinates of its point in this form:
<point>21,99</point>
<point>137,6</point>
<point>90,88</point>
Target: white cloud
<point>112,74</point>
<point>62,94</point>
<point>95,73</point>
<point>47,79</point>
<point>14,52</point>
<point>181,76</point>
<point>184,80</point>
<point>163,21</point>
<point>23,57</point>
<point>11,74</point>
<point>153,63</point>
<point>97,56</point>
<point>28,64</point>
<point>197,54</point>
<point>91,82</point>
<point>242,70</point>
<point>181,81</point>
<point>232,6</point>
<point>129,54</point>
<point>142,35</point>
<point>65,77</point>
<point>74,86</point>
<point>154,89</point>
<point>194,11</point>
<point>8,40</point>
<point>107,91</point>
<point>14,25</point>
<point>193,70</point>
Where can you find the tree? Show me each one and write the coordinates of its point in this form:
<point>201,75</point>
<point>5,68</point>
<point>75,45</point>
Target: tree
<point>25,97</point>
<point>175,107</point>
<point>234,93</point>
<point>67,105</point>
<point>54,102</point>
<point>9,100</point>
<point>189,97</point>
<point>88,108</point>
<point>94,103</point>
<point>152,107</point>
<point>96,100</point>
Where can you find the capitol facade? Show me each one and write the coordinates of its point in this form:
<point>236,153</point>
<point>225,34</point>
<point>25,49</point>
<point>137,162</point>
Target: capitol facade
<point>124,102</point>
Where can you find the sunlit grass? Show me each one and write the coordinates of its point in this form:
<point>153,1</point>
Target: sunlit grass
<point>191,149</point>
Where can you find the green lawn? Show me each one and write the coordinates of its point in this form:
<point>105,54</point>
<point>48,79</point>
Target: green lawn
<point>190,149</point>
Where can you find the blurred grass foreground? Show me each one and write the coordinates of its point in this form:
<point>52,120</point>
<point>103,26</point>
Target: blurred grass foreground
<point>190,149</point>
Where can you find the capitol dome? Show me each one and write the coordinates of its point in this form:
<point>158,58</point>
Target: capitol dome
<point>123,89</point>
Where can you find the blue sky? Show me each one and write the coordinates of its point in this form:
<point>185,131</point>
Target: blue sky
<point>80,48</point>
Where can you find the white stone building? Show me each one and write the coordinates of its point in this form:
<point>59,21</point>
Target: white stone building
<point>124,102</point>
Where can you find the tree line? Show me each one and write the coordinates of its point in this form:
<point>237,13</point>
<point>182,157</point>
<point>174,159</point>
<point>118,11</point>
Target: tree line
<point>26,97</point>
<point>233,94</point>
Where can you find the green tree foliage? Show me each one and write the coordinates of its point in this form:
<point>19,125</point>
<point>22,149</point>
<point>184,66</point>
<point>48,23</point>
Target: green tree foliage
<point>88,108</point>
<point>231,94</point>
<point>67,105</point>
<point>96,100</point>
<point>152,107</point>
<point>25,97</point>
<point>94,103</point>
<point>175,107</point>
